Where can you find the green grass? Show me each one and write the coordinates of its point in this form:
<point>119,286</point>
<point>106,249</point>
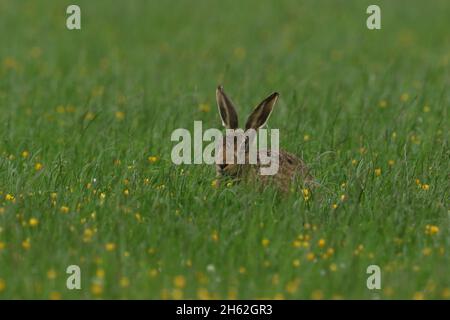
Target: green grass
<point>96,103</point>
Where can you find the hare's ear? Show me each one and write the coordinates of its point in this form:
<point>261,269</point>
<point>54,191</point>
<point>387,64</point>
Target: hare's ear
<point>261,114</point>
<point>226,109</point>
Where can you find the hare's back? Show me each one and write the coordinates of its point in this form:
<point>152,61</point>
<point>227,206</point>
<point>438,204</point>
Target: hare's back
<point>293,166</point>
<point>290,166</point>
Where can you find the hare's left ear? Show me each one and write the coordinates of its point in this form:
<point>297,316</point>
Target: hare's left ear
<point>226,109</point>
<point>261,114</point>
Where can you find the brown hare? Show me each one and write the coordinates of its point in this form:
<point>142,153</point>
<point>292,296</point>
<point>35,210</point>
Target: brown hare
<point>290,167</point>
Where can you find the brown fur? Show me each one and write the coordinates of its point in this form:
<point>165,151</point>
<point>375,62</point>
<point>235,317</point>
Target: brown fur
<point>291,168</point>
<point>292,171</point>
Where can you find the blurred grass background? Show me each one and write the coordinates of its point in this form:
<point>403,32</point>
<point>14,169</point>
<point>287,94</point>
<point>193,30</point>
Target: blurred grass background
<point>85,170</point>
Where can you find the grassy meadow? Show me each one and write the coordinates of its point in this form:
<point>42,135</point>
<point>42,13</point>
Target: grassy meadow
<point>86,176</point>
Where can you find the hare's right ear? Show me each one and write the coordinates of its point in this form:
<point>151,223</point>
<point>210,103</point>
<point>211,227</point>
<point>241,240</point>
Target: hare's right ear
<point>226,109</point>
<point>261,114</point>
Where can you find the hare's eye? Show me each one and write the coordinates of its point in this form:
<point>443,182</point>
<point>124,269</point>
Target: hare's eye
<point>222,166</point>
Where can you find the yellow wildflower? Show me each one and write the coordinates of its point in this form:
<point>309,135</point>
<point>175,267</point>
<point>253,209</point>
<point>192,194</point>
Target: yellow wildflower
<point>418,296</point>
<point>35,52</point>
<point>153,273</point>
<point>100,273</point>
<point>240,53</point>
<point>60,109</point>
<point>431,229</point>
<point>404,97</point>
<point>33,222</point>
<point>96,289</point>
<point>321,243</point>
<point>179,281</point>
<point>215,183</point>
<point>152,159</point>
<point>265,242</point>
<point>292,286</point>
<point>177,294</point>
<point>203,294</point>
<point>26,244</point>
<point>51,274</point>
<point>275,279</point>
<point>10,63</point>
<point>89,116</point>
<point>124,282</point>
<point>306,194</point>
<point>164,294</point>
<point>317,295</point>
<point>110,246</point>
<point>446,293</point>
<point>232,294</point>
<point>87,235</point>
<point>296,243</point>
<point>204,107</point>
<point>64,209</point>
<point>138,217</point>
<point>426,251</point>
<point>54,295</point>
<point>120,115</point>
<point>278,296</point>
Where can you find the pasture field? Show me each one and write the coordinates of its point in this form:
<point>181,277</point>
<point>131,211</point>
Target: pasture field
<point>86,176</point>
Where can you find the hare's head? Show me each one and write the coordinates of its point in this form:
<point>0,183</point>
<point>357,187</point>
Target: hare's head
<point>235,144</point>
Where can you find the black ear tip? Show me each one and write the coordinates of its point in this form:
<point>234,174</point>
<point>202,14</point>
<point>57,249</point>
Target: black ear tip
<point>274,95</point>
